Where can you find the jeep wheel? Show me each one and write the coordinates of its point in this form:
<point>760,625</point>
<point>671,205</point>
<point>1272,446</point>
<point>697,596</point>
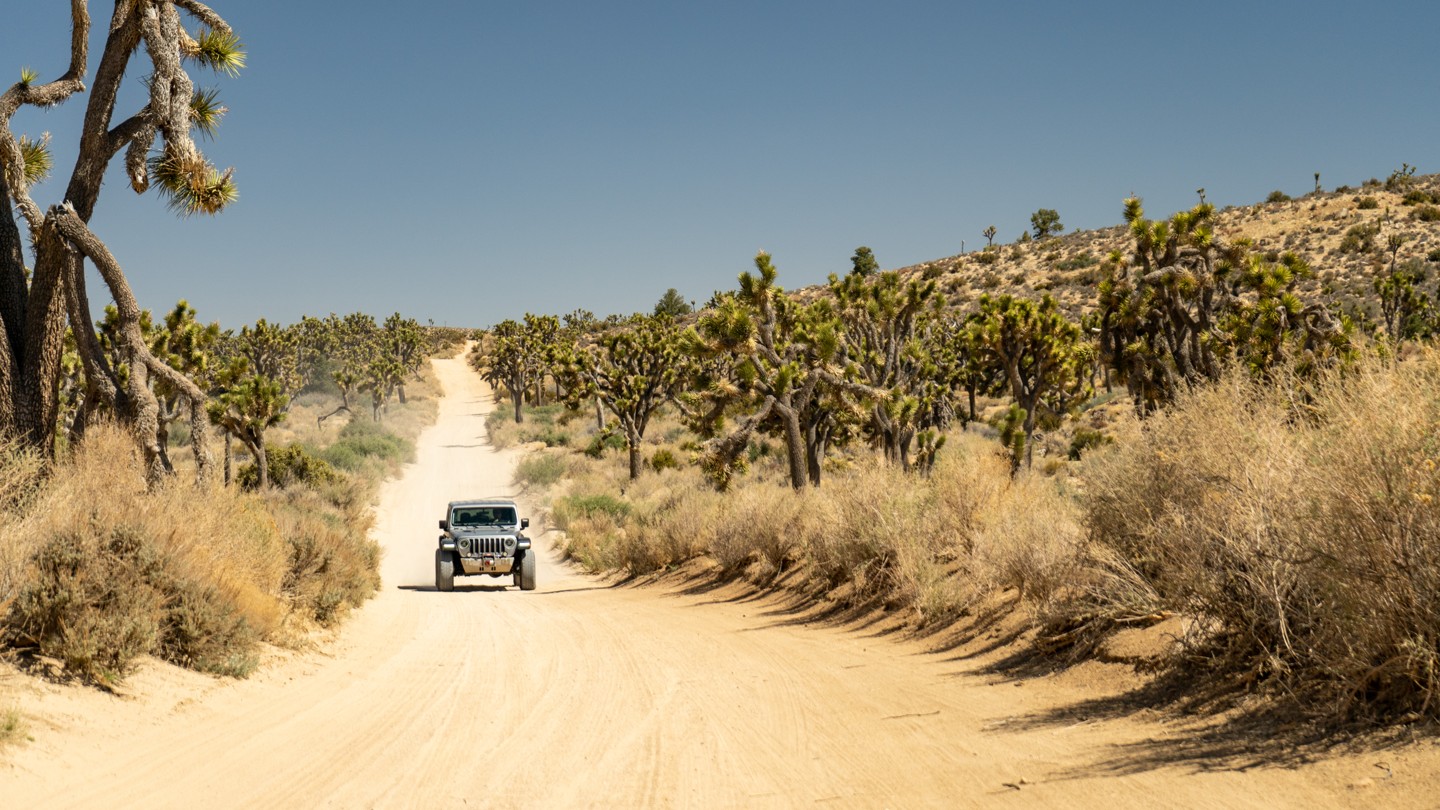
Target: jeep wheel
<point>526,578</point>
<point>444,570</point>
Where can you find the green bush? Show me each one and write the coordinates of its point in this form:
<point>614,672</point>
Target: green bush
<point>664,460</point>
<point>547,435</point>
<point>1277,196</point>
<point>1358,239</point>
<point>1418,196</point>
<point>592,505</point>
<point>1086,439</point>
<point>1078,262</point>
<point>540,469</point>
<point>364,442</point>
<point>289,466</point>
<point>1426,213</point>
<point>605,440</point>
<point>1367,203</point>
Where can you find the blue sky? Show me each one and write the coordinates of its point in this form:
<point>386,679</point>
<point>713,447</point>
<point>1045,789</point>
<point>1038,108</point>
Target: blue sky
<point>470,161</point>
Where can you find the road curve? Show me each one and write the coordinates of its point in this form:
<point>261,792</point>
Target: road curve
<point>580,694</point>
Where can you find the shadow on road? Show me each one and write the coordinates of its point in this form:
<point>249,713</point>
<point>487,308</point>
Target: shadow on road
<point>458,588</point>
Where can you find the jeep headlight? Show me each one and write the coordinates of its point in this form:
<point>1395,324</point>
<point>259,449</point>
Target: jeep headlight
<point>465,545</point>
<point>509,544</point>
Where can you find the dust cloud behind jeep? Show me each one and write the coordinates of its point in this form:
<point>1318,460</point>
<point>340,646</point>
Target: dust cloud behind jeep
<point>484,537</point>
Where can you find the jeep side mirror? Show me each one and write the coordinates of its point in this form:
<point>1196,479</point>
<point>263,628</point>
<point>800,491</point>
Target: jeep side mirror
<point>524,523</point>
<point>445,525</point>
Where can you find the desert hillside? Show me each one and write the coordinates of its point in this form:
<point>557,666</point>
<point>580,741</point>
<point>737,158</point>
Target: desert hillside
<point>1344,235</point>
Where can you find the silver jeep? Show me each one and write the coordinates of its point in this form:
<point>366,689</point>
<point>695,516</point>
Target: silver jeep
<point>484,537</point>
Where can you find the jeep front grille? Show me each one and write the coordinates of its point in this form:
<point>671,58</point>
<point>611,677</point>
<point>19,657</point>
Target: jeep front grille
<point>485,545</point>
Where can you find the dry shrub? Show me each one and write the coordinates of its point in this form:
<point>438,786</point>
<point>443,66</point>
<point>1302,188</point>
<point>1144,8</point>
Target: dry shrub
<point>1299,531</point>
<point>871,534</point>
<point>96,571</point>
<point>879,520</point>
<point>111,572</point>
<point>938,545</point>
<point>762,528</point>
<point>1029,539</point>
<point>332,564</point>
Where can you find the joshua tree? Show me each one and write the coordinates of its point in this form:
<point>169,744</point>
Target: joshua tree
<point>159,148</point>
<point>633,371</point>
<point>247,406</point>
<point>1037,350</point>
<point>771,357</point>
<point>989,234</point>
<point>887,329</point>
<point>383,376</point>
<point>512,359</point>
<point>1401,299</point>
<point>403,344</point>
<point>254,388</point>
<point>1173,311</point>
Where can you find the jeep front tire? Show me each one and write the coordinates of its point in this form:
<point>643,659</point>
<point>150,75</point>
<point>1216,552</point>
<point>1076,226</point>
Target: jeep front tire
<point>444,570</point>
<point>526,579</point>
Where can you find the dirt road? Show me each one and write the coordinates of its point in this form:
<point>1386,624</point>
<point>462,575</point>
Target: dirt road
<point>579,694</point>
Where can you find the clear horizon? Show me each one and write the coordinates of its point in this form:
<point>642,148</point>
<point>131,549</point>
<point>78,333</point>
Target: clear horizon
<point>466,163</point>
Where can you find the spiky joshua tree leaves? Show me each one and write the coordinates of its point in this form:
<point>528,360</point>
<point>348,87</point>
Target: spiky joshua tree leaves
<point>511,360</point>
<point>897,346</point>
<point>1176,308</point>
<point>634,371</point>
<point>771,360</point>
<point>159,149</point>
<point>1039,354</point>
<point>254,388</point>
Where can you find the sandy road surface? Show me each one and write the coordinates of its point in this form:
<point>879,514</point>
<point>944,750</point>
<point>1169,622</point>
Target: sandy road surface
<point>580,694</point>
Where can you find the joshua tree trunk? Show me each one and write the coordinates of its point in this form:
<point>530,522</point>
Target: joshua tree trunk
<point>633,445</point>
<point>794,445</point>
<point>254,442</point>
<point>34,312</point>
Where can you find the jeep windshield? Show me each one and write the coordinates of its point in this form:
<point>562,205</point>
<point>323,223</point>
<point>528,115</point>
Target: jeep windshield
<point>483,516</point>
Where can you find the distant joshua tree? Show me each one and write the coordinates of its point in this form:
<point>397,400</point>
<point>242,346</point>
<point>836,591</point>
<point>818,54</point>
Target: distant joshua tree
<point>989,234</point>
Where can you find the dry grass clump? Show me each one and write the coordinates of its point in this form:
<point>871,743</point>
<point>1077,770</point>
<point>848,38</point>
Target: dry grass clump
<point>101,572</point>
<point>332,564</point>
<point>1299,530</point>
<point>871,535</point>
<point>552,425</point>
<point>95,571</point>
<point>13,727</point>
